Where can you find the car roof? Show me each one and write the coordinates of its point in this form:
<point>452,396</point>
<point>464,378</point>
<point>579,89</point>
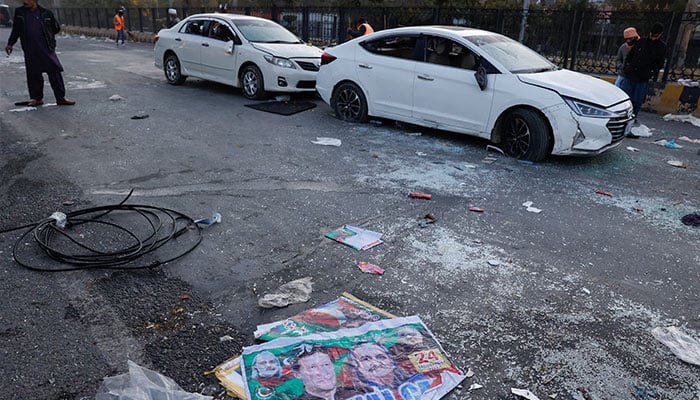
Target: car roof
<point>228,16</point>
<point>451,30</point>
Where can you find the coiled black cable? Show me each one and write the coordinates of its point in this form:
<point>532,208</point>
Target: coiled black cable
<point>109,237</point>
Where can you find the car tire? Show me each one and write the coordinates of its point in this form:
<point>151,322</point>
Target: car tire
<point>525,135</point>
<point>172,70</point>
<point>349,103</point>
<point>252,83</point>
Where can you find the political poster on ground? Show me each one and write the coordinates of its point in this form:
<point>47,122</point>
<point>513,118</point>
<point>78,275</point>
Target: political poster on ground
<point>391,359</point>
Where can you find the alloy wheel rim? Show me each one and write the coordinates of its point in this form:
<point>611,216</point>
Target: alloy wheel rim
<point>172,70</point>
<point>250,83</point>
<point>349,104</point>
<point>518,137</point>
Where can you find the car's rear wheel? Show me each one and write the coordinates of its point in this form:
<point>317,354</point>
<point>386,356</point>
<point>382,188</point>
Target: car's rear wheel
<point>525,135</point>
<point>252,83</point>
<point>349,103</point>
<point>173,72</point>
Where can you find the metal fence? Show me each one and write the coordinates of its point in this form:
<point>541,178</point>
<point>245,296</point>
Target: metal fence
<point>585,41</point>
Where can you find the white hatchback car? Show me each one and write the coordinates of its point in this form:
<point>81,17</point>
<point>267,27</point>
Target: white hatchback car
<point>476,82</point>
<point>255,54</point>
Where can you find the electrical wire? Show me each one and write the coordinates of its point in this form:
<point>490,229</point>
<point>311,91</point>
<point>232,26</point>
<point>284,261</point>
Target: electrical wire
<point>73,245</point>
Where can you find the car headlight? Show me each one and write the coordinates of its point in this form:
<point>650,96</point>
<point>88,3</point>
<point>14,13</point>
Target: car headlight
<point>280,62</point>
<point>588,110</point>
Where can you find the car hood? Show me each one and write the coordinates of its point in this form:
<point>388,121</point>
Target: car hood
<point>287,50</point>
<point>576,85</point>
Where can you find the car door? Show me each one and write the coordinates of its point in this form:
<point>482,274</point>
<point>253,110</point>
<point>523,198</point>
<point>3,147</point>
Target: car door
<point>385,68</point>
<point>188,45</point>
<point>445,91</point>
<point>218,53</point>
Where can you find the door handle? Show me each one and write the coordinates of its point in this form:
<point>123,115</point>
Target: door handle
<point>205,44</point>
<point>365,66</point>
<point>178,40</point>
<point>426,77</point>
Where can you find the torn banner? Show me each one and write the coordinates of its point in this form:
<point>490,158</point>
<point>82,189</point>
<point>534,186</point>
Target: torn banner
<point>345,312</point>
<point>392,359</point>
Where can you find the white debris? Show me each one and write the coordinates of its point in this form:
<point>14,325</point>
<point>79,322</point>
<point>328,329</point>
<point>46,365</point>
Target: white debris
<point>23,109</point>
<point>469,373</point>
<point>630,148</point>
<point>683,346</point>
<point>529,208</point>
<point>641,130</point>
<point>683,118</point>
<point>586,291</point>
<point>475,386</point>
<point>524,393</point>
<point>326,141</point>
<point>115,97</point>
<point>494,263</point>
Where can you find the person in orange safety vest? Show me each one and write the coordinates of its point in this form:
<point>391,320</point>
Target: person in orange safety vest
<point>363,28</point>
<point>119,26</point>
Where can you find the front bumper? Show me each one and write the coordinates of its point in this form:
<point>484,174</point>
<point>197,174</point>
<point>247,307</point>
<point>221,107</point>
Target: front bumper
<point>579,135</point>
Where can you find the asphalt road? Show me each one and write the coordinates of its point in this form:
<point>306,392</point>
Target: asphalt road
<point>560,302</point>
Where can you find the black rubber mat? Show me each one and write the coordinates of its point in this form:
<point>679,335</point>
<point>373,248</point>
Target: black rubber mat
<point>283,107</point>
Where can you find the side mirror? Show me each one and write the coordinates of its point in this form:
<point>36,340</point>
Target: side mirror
<point>480,76</point>
<point>229,47</point>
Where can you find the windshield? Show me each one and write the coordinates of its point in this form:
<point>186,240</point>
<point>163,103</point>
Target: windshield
<point>511,54</point>
<point>263,31</point>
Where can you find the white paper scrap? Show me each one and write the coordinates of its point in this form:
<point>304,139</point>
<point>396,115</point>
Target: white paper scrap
<point>641,130</point>
<point>475,386</point>
<point>524,393</point>
<point>630,148</point>
<point>327,141</point>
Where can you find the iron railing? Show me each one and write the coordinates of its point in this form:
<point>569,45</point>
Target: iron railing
<point>585,41</point>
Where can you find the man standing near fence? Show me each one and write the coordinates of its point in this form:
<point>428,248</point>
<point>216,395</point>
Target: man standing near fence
<point>363,28</point>
<point>119,26</point>
<point>630,35</point>
<point>644,61</point>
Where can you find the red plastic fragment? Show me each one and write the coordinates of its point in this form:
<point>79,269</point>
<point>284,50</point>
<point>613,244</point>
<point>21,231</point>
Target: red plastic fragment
<point>604,193</point>
<point>421,195</point>
<point>477,209</point>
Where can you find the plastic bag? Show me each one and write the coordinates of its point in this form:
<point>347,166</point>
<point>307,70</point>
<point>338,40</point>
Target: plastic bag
<point>143,384</point>
<point>683,346</point>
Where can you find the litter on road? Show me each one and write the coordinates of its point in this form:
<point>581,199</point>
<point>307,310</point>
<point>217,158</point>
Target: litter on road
<point>524,393</point>
<point>683,118</point>
<point>529,208</point>
<point>687,139</point>
<point>676,163</point>
<point>327,141</point>
<point>691,219</point>
<point>604,193</point>
<point>368,268</point>
<point>419,361</point>
<point>630,148</point>
<point>641,130</point>
<point>421,195</point>
<point>296,291</point>
<point>143,384</point>
<point>683,346</point>
<point>355,237</point>
<point>215,219</point>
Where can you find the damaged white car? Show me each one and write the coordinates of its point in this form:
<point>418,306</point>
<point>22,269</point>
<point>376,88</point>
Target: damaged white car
<point>475,82</point>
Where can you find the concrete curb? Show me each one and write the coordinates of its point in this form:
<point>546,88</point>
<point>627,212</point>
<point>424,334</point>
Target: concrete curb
<point>669,98</point>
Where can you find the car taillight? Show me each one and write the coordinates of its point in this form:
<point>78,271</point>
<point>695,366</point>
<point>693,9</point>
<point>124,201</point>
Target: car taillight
<point>327,58</point>
<point>155,38</point>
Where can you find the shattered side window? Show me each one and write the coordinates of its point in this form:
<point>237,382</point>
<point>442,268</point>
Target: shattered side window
<point>393,46</point>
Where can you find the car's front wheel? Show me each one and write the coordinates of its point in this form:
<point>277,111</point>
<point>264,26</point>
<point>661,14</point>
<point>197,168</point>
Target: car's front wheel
<point>525,135</point>
<point>252,83</point>
<point>173,72</point>
<point>349,103</point>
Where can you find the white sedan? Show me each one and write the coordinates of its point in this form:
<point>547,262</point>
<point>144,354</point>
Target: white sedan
<point>476,82</point>
<point>255,54</point>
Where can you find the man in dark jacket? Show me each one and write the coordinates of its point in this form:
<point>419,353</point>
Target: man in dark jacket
<point>36,28</point>
<point>643,62</point>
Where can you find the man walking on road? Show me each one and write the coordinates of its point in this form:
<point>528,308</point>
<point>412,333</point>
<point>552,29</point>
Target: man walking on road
<point>119,26</point>
<point>644,61</point>
<point>36,28</point>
